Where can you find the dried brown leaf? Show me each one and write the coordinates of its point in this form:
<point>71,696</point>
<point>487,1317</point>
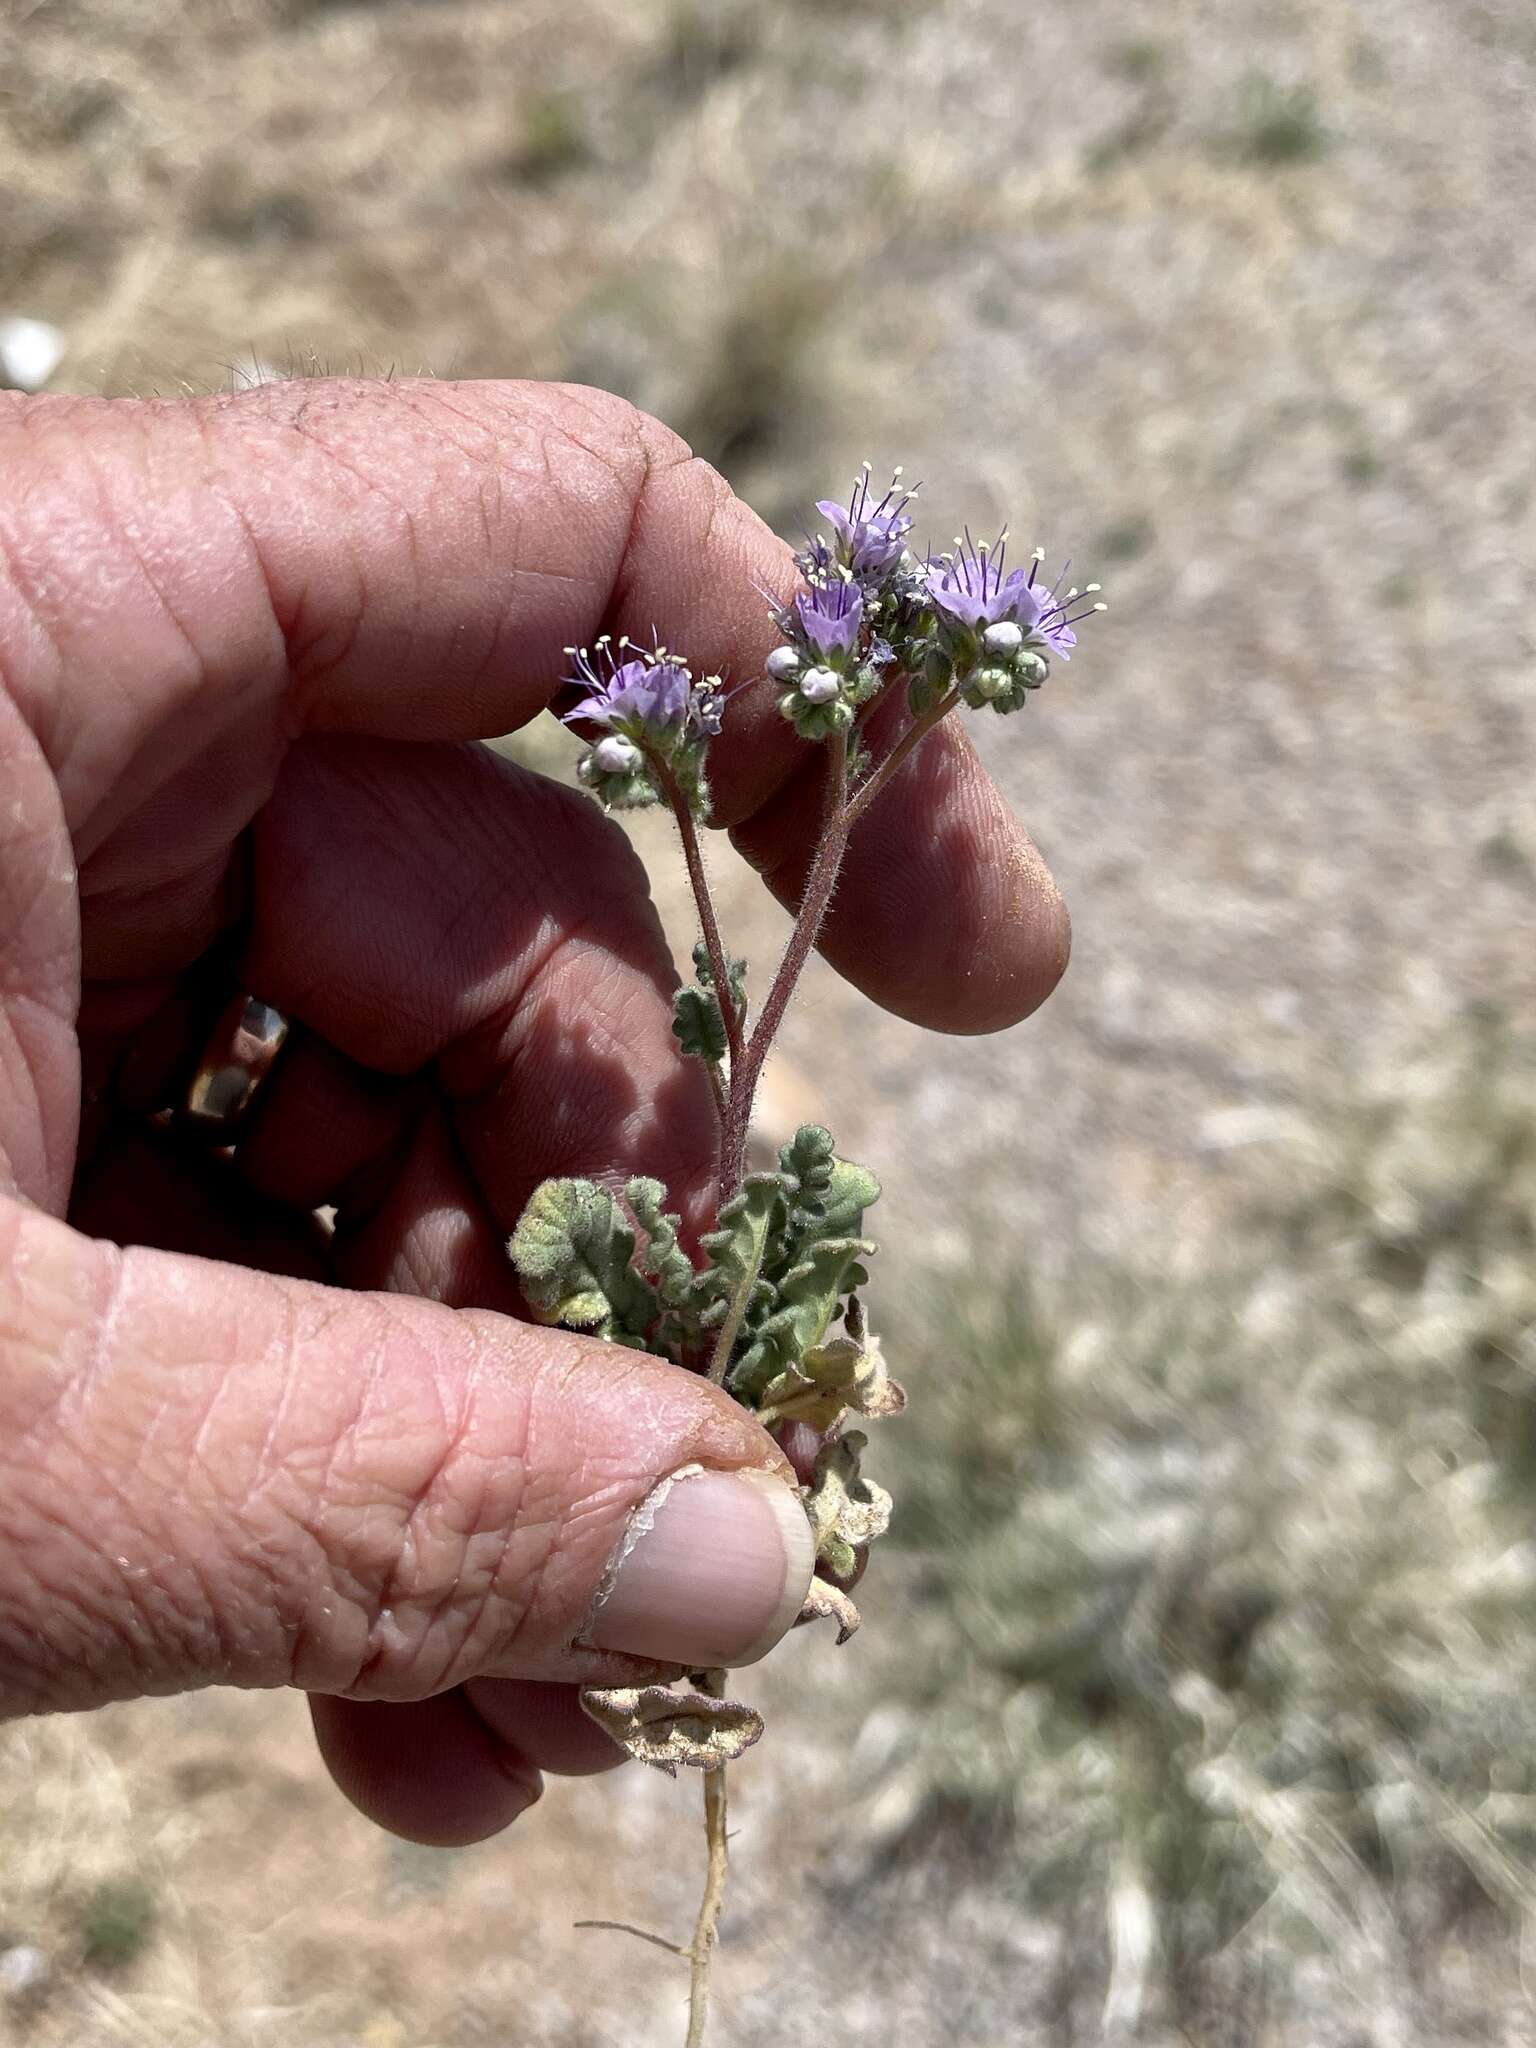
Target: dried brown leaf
<point>669,1725</point>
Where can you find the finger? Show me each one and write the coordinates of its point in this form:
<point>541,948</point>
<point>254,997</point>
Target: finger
<point>439,907</point>
<point>214,1475</point>
<point>326,1130</point>
<point>430,1770</point>
<point>429,1231</point>
<point>546,1724</point>
<point>141,1187</point>
<point>405,559</point>
<point>940,834</point>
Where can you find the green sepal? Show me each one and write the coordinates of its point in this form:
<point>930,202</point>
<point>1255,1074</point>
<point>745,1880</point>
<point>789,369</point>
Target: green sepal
<point>572,1250</point>
<point>845,1374</point>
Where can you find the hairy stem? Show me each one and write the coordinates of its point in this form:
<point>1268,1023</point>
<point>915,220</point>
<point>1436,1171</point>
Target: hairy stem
<point>706,1931</point>
<point>915,733</point>
<point>709,924</point>
<point>819,883</point>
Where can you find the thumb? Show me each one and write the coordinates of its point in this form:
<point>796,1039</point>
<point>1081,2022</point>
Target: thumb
<point>211,1475</point>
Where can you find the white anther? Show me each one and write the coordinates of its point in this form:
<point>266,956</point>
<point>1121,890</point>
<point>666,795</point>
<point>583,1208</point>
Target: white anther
<point>614,756</point>
<point>1003,638</point>
<point>819,686</point>
<point>782,664</point>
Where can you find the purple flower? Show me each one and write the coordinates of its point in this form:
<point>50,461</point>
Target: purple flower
<point>970,588</point>
<point>830,618</point>
<point>1057,617</point>
<point>654,695</point>
<point>871,537</point>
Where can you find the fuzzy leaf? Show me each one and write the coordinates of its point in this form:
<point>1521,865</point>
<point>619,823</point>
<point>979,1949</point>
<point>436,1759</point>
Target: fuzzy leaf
<point>665,1260</point>
<point>664,1726</point>
<point>808,1159</point>
<point>697,1024</point>
<point>846,1509</point>
<point>735,1247</point>
<point>854,1189</point>
<point>572,1250</point>
<point>826,1602</point>
<point>826,1197</point>
<point>806,1300</point>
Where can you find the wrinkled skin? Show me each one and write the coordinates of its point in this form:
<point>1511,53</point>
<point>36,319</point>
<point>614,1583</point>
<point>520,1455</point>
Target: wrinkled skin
<point>244,644</point>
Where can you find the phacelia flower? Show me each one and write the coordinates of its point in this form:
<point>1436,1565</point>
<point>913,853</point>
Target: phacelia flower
<point>652,711</point>
<point>829,620</point>
<point>969,588</point>
<point>871,534</point>
<point>647,692</point>
<point>1057,617</point>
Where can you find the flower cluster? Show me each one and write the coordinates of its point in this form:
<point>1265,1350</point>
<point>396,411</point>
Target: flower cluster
<point>995,629</point>
<point>656,721</point>
<point>870,610</point>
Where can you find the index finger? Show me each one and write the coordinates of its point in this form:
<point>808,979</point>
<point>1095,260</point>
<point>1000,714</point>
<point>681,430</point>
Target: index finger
<point>410,560</point>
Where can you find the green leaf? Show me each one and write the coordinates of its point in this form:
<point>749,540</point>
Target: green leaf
<point>735,1246</point>
<point>827,1199</point>
<point>806,1300</point>
<point>730,1289</point>
<point>854,1189</point>
<point>808,1159</point>
<point>572,1250</point>
<point>664,1260</point>
<point>697,1024</point>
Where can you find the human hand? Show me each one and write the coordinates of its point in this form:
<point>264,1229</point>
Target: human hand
<point>243,644</point>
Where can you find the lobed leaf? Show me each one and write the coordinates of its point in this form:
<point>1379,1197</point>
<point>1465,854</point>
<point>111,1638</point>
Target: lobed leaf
<point>847,1510</point>
<point>666,1726</point>
<point>573,1252</point>
<point>697,1024</point>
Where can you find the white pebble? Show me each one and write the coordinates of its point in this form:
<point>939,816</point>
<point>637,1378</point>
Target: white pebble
<point>30,352</point>
<point>22,1969</point>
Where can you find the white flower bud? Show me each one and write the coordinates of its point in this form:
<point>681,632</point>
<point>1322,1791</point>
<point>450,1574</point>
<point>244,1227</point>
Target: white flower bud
<point>782,664</point>
<point>992,682</point>
<point>614,756</point>
<point>1004,638</point>
<point>819,686</point>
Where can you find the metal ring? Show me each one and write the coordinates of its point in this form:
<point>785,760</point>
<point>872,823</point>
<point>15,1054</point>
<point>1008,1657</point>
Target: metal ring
<point>241,1052</point>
